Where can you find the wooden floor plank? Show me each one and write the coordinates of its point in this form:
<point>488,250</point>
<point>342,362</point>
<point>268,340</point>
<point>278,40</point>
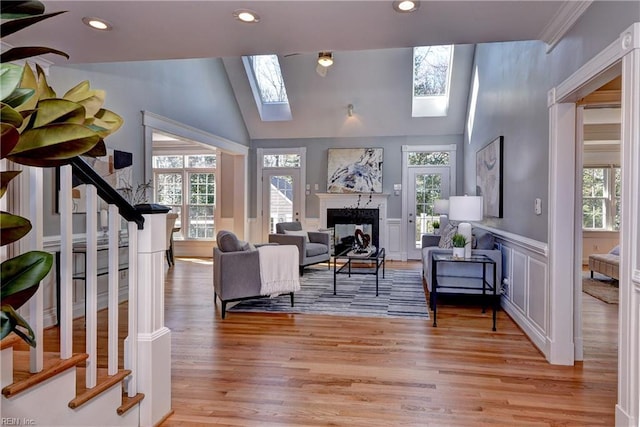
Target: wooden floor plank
<point>311,370</point>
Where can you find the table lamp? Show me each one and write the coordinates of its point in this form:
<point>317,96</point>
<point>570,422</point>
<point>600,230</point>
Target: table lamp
<point>464,209</point>
<point>441,206</point>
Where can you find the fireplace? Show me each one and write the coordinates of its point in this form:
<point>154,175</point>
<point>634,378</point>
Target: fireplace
<point>344,222</point>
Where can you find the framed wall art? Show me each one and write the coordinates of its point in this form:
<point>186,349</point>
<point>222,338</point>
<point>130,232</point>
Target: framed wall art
<point>354,170</point>
<point>489,165</point>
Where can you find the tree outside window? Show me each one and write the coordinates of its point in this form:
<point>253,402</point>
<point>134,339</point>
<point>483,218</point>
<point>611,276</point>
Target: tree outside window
<point>601,198</point>
<point>431,70</point>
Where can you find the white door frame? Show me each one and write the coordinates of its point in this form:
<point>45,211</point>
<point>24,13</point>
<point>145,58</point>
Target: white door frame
<point>406,149</point>
<point>412,252</point>
<point>260,153</point>
<point>624,51</point>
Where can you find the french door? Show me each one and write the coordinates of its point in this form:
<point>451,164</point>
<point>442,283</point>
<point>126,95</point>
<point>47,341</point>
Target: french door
<point>426,185</point>
<point>280,197</point>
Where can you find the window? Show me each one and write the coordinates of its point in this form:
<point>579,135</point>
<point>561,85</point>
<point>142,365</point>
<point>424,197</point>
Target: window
<point>601,198</point>
<point>193,176</point>
<point>434,158</point>
<point>281,161</point>
<point>431,80</point>
<point>267,85</point>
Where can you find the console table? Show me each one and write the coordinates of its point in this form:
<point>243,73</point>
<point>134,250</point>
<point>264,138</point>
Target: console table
<point>478,286</point>
<point>376,259</point>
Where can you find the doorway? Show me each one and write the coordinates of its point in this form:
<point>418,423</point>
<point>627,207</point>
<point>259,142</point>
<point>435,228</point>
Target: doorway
<point>426,185</point>
<point>281,202</point>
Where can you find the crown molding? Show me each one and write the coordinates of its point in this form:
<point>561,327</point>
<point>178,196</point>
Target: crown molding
<point>562,22</point>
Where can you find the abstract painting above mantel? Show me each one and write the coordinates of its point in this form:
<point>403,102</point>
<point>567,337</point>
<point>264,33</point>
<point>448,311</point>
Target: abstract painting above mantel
<point>354,170</point>
<point>489,177</point>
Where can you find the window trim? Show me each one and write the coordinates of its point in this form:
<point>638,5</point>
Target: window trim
<point>185,171</point>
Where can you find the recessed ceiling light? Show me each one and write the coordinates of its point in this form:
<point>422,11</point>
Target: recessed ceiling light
<point>325,59</point>
<point>246,15</point>
<point>97,23</point>
<point>405,6</point>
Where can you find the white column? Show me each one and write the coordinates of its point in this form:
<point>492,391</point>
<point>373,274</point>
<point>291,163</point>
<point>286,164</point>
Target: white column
<point>154,339</point>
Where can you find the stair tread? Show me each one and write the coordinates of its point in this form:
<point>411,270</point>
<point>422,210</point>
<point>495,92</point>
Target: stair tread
<point>52,366</point>
<point>104,382</point>
<point>129,402</point>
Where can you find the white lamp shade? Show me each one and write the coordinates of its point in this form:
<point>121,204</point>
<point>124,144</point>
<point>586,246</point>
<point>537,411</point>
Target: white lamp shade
<point>441,206</point>
<point>465,208</point>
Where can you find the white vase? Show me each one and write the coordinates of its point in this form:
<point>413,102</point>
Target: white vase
<point>458,252</point>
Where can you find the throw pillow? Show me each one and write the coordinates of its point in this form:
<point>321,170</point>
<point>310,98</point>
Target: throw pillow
<point>228,242</point>
<point>482,239</point>
<point>446,237</point>
<point>298,233</point>
<point>615,250</point>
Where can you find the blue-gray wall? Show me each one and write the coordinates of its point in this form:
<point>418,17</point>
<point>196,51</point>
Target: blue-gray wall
<point>195,92</point>
<point>514,79</point>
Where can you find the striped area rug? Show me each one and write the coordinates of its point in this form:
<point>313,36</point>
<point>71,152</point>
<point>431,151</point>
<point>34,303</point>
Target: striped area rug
<point>400,296</point>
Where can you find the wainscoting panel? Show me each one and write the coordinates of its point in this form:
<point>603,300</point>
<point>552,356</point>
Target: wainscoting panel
<point>538,295</point>
<point>394,249</point>
<point>526,291</point>
<point>519,281</point>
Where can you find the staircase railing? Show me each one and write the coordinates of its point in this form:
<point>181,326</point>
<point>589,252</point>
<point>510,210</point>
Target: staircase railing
<point>146,277</point>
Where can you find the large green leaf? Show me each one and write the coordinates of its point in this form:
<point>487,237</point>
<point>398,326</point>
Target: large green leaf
<point>29,81</point>
<point>9,139</point>
<point>44,90</point>
<point>10,27</point>
<point>53,145</point>
<point>23,52</point>
<point>99,150</point>
<point>10,76</point>
<point>11,321</point>
<point>19,97</point>
<point>12,227</point>
<point>21,276</point>
<point>10,116</point>
<point>108,121</point>
<point>92,100</point>
<point>57,110</point>
<point>5,179</point>
<point>20,9</point>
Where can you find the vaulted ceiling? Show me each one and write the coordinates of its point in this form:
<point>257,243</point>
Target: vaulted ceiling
<point>371,44</point>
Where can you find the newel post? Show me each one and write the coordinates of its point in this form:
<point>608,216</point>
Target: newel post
<point>154,338</point>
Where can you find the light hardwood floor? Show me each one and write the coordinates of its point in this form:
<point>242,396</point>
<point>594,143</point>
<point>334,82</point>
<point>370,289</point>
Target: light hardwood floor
<point>311,370</point>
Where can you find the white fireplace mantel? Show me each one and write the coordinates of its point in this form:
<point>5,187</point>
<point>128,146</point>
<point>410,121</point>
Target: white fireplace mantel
<point>350,200</point>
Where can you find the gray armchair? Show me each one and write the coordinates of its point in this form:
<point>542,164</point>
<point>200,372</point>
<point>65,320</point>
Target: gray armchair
<point>313,246</point>
<point>236,270</point>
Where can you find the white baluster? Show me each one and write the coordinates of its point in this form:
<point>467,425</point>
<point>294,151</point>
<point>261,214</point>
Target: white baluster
<point>91,294</point>
<point>131,354</point>
<point>65,304</point>
<point>114,275</point>
<point>35,242</point>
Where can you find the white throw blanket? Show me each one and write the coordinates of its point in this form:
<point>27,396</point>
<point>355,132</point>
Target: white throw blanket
<point>278,269</point>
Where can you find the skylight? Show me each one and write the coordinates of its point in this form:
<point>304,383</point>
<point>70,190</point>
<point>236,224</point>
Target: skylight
<point>267,84</point>
<point>431,80</point>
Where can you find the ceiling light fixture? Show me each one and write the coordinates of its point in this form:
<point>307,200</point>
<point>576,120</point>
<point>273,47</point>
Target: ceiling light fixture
<point>350,110</point>
<point>325,59</point>
<point>406,6</point>
<point>246,15</point>
<point>97,23</point>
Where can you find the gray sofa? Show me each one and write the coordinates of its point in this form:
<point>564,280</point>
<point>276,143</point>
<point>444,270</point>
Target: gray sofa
<point>485,244</point>
<point>236,270</point>
<point>313,246</point>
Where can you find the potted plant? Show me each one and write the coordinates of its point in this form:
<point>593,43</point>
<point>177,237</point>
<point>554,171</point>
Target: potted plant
<point>39,129</point>
<point>436,227</point>
<point>459,242</point>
